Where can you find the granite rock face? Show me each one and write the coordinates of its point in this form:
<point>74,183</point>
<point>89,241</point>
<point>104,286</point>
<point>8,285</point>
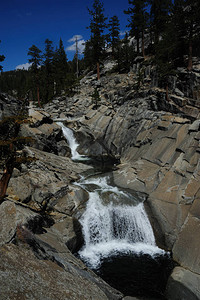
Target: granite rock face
<point>9,106</point>
<point>24,276</point>
<point>159,150</point>
<point>39,222</point>
<point>157,143</point>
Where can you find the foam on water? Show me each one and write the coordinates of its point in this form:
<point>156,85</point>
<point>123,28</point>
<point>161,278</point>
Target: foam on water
<point>102,185</point>
<point>68,133</point>
<point>111,229</point>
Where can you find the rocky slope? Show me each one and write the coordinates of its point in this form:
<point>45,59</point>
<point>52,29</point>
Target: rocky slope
<point>158,145</point>
<point>39,222</point>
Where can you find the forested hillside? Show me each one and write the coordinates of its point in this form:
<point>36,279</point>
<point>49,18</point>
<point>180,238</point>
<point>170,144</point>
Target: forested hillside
<point>165,33</point>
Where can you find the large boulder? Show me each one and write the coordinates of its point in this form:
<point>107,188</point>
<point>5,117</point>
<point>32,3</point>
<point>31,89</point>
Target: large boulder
<point>46,135</point>
<point>11,215</point>
<point>9,106</point>
<point>24,276</point>
<point>45,180</point>
<point>183,285</point>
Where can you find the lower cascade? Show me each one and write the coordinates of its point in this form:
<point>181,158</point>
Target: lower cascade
<point>114,227</point>
<point>119,243</point>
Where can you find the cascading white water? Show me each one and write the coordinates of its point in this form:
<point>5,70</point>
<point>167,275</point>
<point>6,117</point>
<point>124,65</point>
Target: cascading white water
<point>114,222</point>
<point>114,228</point>
<point>68,133</point>
<point>119,241</point>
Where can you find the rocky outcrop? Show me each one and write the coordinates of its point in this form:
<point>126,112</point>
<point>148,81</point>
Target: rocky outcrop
<point>25,276</point>
<point>39,222</point>
<point>45,134</point>
<point>158,146</point>
<point>9,106</point>
<point>183,284</point>
<point>157,143</point>
<point>36,262</point>
<point>45,180</point>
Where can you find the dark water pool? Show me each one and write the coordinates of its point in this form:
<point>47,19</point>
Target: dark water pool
<point>137,275</point>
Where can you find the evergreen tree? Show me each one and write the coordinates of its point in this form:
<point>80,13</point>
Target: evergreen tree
<point>88,55</point>
<point>10,144</point>
<point>165,59</point>
<point>138,21</point>
<point>97,26</point>
<point>114,30</point>
<point>177,31</point>
<point>35,60</point>
<point>159,17</point>
<point>2,57</point>
<point>60,68</point>
<point>125,55</point>
<point>192,22</point>
<point>17,83</point>
<point>184,22</point>
<point>48,70</point>
<point>96,98</point>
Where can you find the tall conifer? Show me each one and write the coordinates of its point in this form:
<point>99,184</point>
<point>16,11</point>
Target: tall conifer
<point>192,22</point>
<point>114,30</point>
<point>159,15</point>
<point>48,69</point>
<point>137,21</point>
<point>97,26</point>
<point>35,60</point>
<point>2,57</point>
<point>60,67</point>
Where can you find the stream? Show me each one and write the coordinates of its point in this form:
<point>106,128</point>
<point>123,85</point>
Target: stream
<point>119,243</point>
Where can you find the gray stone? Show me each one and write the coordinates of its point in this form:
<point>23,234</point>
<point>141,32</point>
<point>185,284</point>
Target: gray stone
<point>46,180</point>
<point>23,276</point>
<point>186,248</point>
<point>183,285</point>
<point>12,215</point>
<point>194,126</point>
<point>178,92</point>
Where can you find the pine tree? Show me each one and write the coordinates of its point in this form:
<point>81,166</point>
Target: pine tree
<point>10,144</point>
<point>125,55</point>
<point>185,27</point>
<point>192,22</point>
<point>35,60</point>
<point>177,24</point>
<point>159,15</point>
<point>114,30</point>
<point>48,69</point>
<point>138,21</point>
<point>2,57</point>
<point>165,59</point>
<point>97,26</point>
<point>60,67</point>
<point>88,55</point>
<point>96,98</point>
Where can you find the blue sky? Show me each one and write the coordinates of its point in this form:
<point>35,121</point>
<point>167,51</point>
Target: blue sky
<point>28,22</point>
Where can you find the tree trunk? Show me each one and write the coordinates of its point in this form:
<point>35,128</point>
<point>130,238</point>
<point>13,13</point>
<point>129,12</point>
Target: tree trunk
<point>138,43</point>
<point>98,72</point>
<point>189,67</point>
<point>143,52</point>
<point>38,96</point>
<point>7,173</point>
<point>167,92</point>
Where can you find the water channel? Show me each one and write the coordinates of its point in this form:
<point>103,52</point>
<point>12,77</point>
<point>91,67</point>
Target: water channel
<point>119,243</point>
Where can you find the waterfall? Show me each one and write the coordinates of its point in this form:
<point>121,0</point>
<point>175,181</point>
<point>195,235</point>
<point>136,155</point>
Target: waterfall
<point>68,134</point>
<point>114,222</point>
<point>112,227</point>
<point>119,243</point>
